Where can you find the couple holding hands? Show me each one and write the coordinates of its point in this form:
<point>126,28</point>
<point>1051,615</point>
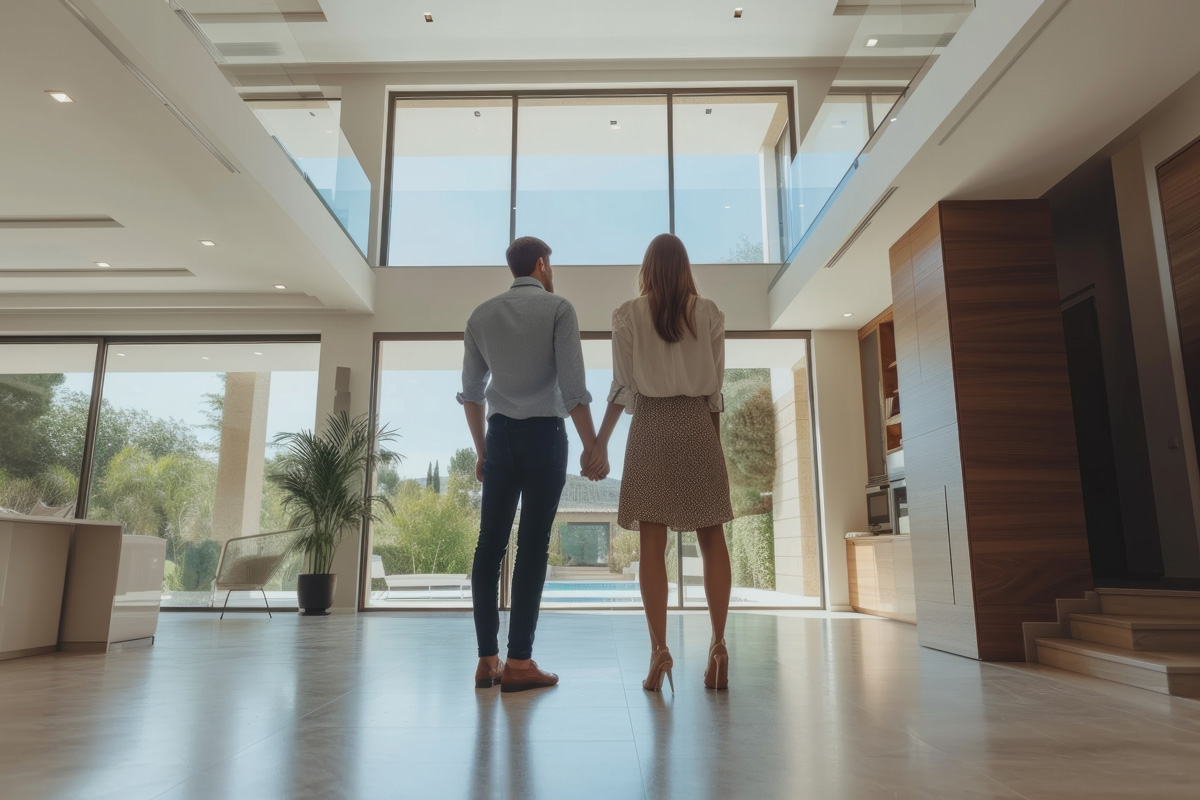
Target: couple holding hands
<point>523,375</point>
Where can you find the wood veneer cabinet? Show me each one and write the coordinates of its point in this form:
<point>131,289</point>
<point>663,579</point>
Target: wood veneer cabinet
<point>994,495</point>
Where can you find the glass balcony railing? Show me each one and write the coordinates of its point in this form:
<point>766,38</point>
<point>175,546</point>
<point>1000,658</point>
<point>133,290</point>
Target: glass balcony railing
<point>310,132</point>
<point>892,34</point>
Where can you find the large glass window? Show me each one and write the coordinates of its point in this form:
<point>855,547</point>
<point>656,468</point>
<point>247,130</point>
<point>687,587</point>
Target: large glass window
<point>726,176</point>
<point>592,176</point>
<point>421,555</point>
<point>45,394</point>
<point>451,182</point>
<point>183,447</point>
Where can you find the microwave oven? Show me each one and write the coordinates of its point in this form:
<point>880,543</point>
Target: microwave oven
<point>887,508</point>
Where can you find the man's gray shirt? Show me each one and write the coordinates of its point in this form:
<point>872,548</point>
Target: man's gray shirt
<point>527,341</point>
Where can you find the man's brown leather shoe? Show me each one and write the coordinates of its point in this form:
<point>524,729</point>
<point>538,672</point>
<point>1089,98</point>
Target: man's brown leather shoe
<point>486,677</point>
<point>517,679</point>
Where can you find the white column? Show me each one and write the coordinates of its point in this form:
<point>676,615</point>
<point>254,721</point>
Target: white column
<point>841,453</point>
<point>238,506</point>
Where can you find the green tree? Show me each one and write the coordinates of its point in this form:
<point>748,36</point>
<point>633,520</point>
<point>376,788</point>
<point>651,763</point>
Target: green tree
<point>429,477</point>
<point>437,477</point>
<point>25,399</point>
<point>214,414</point>
<point>748,437</point>
<point>170,496</point>
<point>426,534</point>
<point>745,252</point>
<point>462,486</point>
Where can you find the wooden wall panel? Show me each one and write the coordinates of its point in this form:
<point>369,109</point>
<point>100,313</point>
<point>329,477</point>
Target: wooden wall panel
<point>994,495</point>
<point>1179,191</point>
<point>1024,503</point>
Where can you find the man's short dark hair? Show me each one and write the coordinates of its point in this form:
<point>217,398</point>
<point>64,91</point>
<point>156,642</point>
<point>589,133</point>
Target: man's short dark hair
<point>523,255</point>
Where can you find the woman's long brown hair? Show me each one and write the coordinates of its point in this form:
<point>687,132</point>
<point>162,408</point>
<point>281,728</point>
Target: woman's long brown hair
<point>666,279</point>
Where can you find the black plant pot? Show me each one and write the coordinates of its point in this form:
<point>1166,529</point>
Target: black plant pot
<point>314,594</point>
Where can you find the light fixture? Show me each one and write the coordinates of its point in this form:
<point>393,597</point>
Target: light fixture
<point>848,314</point>
<point>103,264</point>
<point>257,353</point>
<point>61,97</point>
<point>204,358</point>
<point>280,286</point>
<point>893,119</point>
<point>872,42</point>
<point>737,13</point>
<point>428,17</point>
<point>208,243</point>
<point>122,355</point>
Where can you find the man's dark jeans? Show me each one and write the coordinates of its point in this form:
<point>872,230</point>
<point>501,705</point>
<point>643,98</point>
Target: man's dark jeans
<point>526,461</point>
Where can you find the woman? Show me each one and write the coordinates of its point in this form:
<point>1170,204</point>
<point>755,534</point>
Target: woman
<point>668,368</point>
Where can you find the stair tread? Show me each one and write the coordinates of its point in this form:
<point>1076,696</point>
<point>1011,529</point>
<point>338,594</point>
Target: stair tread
<point>1147,592</point>
<point>1171,663</point>
<point>1139,622</point>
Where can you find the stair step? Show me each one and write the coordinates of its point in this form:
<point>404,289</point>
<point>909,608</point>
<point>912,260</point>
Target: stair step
<point>1175,674</point>
<point>1150,602</point>
<point>1138,632</point>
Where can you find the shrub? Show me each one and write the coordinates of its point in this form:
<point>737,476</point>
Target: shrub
<point>197,564</point>
<point>624,550</point>
<point>752,551</point>
<point>427,534</point>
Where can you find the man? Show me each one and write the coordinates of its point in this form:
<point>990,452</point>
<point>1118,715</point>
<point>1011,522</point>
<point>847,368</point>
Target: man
<point>527,340</point>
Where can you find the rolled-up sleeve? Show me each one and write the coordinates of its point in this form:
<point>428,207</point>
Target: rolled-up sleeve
<point>475,371</point>
<point>568,358</point>
<point>716,400</point>
<point>621,392</point>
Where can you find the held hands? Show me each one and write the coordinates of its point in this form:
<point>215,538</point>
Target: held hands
<point>593,464</point>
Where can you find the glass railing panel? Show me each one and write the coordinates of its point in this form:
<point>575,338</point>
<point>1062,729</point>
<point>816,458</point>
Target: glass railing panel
<point>309,131</point>
<point>903,37</point>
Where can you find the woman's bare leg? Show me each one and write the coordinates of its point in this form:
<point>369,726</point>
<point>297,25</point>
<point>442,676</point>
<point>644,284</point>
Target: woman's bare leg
<point>718,578</point>
<point>652,580</point>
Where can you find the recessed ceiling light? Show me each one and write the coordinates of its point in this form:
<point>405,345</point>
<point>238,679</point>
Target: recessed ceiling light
<point>729,206</point>
<point>893,119</point>
<point>208,243</point>
<point>257,353</point>
<point>122,355</point>
<point>61,97</point>
<point>428,17</point>
<point>848,314</point>
<point>103,264</point>
<point>872,42</point>
<point>280,286</point>
<point>737,13</point>
<point>204,358</point>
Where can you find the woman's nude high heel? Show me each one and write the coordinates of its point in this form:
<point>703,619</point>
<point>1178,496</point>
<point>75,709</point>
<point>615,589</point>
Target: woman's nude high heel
<point>660,665</point>
<point>717,674</point>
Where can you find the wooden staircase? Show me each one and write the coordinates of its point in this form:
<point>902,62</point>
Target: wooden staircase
<point>1148,638</point>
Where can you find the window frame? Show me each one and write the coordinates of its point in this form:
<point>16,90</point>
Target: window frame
<point>516,95</point>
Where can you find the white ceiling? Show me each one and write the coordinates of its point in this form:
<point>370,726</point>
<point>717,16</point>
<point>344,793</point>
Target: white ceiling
<point>33,359</point>
<point>389,31</point>
<point>117,151</point>
<point>1096,69</point>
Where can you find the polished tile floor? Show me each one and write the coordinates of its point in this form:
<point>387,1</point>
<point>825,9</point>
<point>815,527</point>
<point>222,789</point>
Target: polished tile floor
<point>381,706</point>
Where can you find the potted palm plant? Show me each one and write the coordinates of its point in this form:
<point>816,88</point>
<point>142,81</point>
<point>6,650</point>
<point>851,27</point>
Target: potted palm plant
<point>323,477</point>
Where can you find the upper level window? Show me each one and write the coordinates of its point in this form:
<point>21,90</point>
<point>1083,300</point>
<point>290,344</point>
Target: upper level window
<point>451,182</point>
<point>592,176</point>
<point>589,172</point>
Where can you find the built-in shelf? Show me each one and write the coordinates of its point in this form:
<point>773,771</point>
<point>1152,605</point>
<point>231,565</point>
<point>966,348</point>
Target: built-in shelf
<point>895,420</point>
<point>879,362</point>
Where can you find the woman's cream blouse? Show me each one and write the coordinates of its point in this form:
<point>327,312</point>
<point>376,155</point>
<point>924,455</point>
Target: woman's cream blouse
<point>645,364</point>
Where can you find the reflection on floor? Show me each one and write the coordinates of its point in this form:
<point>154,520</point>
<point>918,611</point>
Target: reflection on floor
<point>380,705</point>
